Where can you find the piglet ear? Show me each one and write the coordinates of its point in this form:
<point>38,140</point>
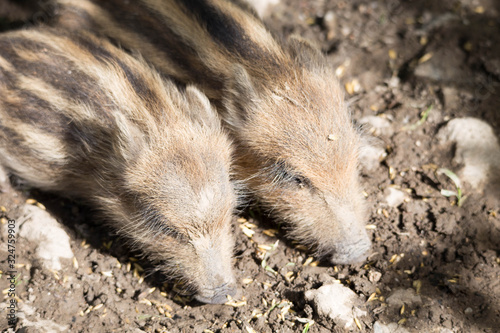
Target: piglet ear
<point>240,97</point>
<point>304,52</point>
<point>200,109</point>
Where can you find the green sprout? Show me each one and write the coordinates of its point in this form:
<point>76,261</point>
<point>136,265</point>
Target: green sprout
<point>306,327</point>
<point>266,256</point>
<point>448,193</point>
<point>423,118</point>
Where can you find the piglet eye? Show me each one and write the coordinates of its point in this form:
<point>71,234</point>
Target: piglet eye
<point>300,181</point>
<point>287,176</point>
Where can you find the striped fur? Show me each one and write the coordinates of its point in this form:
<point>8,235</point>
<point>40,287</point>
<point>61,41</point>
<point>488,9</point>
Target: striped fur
<point>296,146</point>
<point>80,117</point>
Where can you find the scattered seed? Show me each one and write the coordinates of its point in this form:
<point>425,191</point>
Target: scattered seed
<point>3,209</point>
<point>88,309</point>
<point>373,297</point>
<point>3,220</point>
<point>107,245</point>
<point>423,40</point>
<point>270,232</point>
<point>164,294</point>
<point>353,87</point>
<point>264,247</point>
<point>289,276</point>
<point>31,201</point>
<point>146,301</point>
<point>402,321</point>
<point>141,279</point>
<point>479,9</point>
<point>75,263</point>
<point>356,320</point>
<point>236,304</point>
<point>425,253</point>
<point>385,213</point>
<point>138,267</point>
<point>118,290</point>
<point>107,273</point>
<point>392,173</point>
<point>41,206</point>
<point>247,280</point>
<point>301,247</point>
<point>393,54</point>
<point>402,310</point>
<point>425,57</point>
<point>248,232</point>
<point>370,227</point>
<point>308,261</point>
<point>97,307</point>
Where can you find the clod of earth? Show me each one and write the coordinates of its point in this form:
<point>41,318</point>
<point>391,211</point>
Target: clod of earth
<point>338,302</point>
<point>39,227</point>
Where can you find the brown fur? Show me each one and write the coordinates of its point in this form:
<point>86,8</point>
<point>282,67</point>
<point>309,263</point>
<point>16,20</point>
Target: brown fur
<point>279,99</point>
<point>80,117</point>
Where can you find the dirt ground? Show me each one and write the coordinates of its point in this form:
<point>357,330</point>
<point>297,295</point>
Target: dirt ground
<point>415,65</point>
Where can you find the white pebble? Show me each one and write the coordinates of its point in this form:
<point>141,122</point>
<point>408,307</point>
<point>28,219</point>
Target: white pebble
<point>337,302</point>
<point>52,242</point>
<point>477,149</point>
<point>394,197</point>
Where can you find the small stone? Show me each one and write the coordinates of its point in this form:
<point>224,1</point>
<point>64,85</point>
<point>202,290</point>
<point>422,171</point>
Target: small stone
<point>394,197</point>
<point>468,311</point>
<point>374,276</point>
<point>52,242</point>
<point>337,302</point>
<point>476,147</point>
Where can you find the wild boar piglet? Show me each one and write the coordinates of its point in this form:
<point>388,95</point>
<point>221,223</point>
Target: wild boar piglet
<point>297,149</point>
<point>82,118</point>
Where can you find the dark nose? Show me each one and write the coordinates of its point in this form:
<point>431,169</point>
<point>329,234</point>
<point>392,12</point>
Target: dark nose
<point>217,295</point>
